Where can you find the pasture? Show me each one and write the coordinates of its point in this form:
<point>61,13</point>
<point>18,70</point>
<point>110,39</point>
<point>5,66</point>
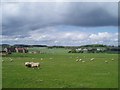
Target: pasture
<point>60,69</point>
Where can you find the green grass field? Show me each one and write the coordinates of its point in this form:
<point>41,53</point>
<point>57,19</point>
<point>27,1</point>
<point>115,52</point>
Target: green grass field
<point>62,71</point>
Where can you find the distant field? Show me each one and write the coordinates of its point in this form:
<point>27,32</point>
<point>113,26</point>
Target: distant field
<point>52,51</point>
<point>59,69</point>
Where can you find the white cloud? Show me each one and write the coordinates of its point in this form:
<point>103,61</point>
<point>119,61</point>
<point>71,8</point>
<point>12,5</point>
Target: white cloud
<point>55,35</point>
<point>100,36</point>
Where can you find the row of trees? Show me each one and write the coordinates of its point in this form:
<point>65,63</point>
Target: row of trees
<point>90,48</point>
<point>22,45</point>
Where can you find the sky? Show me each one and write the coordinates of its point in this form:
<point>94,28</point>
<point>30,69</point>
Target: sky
<point>60,23</point>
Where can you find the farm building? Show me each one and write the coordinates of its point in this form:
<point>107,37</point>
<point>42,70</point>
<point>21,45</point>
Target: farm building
<point>10,49</point>
<point>87,50</point>
<point>13,49</point>
<point>21,50</point>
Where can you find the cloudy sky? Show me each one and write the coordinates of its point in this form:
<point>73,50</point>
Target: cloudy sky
<point>60,23</point>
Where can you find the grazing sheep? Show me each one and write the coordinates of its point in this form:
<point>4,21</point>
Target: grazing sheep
<point>33,65</point>
<point>41,58</point>
<point>83,61</point>
<point>112,59</point>
<point>106,61</point>
<point>80,59</point>
<point>77,60</point>
<point>92,59</point>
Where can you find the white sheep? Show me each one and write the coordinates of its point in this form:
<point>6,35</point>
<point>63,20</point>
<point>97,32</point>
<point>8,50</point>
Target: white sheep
<point>106,61</point>
<point>77,60</point>
<point>33,65</point>
<point>41,58</point>
<point>80,59</point>
<point>92,59</point>
<point>83,61</point>
<point>112,59</point>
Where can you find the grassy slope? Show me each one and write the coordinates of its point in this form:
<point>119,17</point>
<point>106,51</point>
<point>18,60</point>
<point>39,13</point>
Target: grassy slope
<point>61,72</point>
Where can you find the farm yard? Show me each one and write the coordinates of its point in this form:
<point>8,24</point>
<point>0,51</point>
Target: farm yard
<point>60,69</point>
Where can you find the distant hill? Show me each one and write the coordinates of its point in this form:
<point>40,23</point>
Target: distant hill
<point>94,45</point>
<point>21,45</point>
<point>24,45</point>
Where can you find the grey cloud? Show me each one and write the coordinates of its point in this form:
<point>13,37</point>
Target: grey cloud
<point>92,14</point>
<point>31,16</point>
<point>19,19</point>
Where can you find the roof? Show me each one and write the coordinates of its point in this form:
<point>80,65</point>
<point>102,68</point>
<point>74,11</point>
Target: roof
<point>21,48</point>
